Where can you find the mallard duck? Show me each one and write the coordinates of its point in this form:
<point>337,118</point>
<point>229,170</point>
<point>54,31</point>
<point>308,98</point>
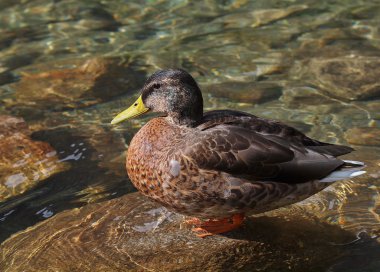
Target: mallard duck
<point>221,165</point>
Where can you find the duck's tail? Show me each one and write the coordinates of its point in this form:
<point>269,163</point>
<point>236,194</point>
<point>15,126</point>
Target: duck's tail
<point>349,169</point>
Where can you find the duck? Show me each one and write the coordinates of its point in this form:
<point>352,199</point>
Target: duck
<point>223,165</point>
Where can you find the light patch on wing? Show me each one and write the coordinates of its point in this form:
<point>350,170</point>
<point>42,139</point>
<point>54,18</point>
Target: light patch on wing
<point>226,194</point>
<point>344,173</point>
<point>175,168</point>
<point>358,173</point>
<point>355,163</point>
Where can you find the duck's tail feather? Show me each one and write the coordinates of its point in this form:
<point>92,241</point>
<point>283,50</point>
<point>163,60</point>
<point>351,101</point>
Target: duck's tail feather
<point>330,149</point>
<point>349,169</point>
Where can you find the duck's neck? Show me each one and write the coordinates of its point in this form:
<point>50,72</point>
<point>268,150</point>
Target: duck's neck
<point>183,120</point>
<point>189,115</point>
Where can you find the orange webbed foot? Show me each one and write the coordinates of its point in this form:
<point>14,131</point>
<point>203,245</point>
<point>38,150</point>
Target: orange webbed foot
<point>215,226</point>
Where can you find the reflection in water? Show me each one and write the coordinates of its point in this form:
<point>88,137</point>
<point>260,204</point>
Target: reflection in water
<point>68,67</point>
<point>163,214</point>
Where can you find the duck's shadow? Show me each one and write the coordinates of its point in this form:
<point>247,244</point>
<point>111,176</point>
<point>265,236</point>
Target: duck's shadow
<point>327,246</point>
<point>269,229</point>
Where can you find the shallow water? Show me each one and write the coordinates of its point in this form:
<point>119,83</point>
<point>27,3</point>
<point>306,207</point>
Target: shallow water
<point>67,67</point>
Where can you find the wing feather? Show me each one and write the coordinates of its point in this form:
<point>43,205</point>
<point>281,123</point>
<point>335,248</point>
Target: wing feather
<point>258,149</point>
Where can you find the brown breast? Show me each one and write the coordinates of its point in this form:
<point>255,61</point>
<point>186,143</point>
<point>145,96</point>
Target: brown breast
<point>150,152</point>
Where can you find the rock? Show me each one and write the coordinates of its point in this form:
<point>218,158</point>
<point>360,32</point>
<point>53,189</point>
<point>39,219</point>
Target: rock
<point>363,136</point>
<point>14,61</point>
<point>10,125</point>
<point>240,64</point>
<point>248,92</point>
<point>133,234</point>
<point>333,42</point>
<point>6,78</point>
<point>91,16</point>
<point>309,100</point>
<point>373,107</point>
<point>88,135</point>
<point>8,3</point>
<point>6,39</point>
<point>346,78</point>
<point>74,83</point>
<point>23,162</point>
<point>96,173</point>
<point>258,18</point>
<point>88,144</point>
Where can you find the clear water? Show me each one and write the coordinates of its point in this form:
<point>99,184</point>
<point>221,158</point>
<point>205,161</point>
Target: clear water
<point>275,59</point>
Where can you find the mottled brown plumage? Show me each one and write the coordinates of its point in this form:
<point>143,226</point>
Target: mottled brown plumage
<point>222,163</point>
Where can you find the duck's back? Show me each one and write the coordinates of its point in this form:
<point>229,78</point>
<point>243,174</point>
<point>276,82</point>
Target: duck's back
<point>259,149</point>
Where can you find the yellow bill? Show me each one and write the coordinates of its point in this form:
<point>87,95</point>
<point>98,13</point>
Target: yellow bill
<point>136,109</point>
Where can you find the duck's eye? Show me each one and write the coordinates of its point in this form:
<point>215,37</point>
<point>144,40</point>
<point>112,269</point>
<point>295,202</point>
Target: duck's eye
<point>156,86</point>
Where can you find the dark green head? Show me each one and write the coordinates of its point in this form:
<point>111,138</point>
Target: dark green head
<point>173,92</point>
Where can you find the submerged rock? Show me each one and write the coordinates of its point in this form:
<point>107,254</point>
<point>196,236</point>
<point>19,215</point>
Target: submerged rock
<point>363,136</point>
<point>133,234</point>
<point>74,83</point>
<point>258,18</point>
<point>86,136</point>
<point>347,78</point>
<point>239,64</point>
<point>89,16</point>
<point>6,78</point>
<point>23,162</point>
<point>248,92</point>
<point>95,175</point>
<point>10,125</point>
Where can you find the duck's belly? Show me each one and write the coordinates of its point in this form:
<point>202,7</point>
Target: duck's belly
<point>205,194</point>
<point>159,171</point>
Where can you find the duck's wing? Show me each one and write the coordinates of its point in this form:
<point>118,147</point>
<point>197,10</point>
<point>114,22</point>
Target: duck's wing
<point>257,149</point>
<point>270,127</point>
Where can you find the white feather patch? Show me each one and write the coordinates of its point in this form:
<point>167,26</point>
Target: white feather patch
<point>342,174</point>
<point>358,163</point>
<point>175,168</point>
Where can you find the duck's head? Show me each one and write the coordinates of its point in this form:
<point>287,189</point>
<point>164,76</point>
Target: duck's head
<point>172,92</point>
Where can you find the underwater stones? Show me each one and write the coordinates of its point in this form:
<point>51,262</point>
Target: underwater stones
<point>258,18</point>
<point>10,125</point>
<point>346,78</point>
<point>308,99</point>
<point>6,78</point>
<point>363,136</point>
<point>105,147</point>
<point>90,130</point>
<point>74,83</point>
<point>133,234</point>
<point>236,64</point>
<point>248,92</point>
<point>23,162</point>
<point>373,107</point>
<point>90,16</point>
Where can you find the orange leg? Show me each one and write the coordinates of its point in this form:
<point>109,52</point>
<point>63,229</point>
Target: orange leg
<point>215,226</point>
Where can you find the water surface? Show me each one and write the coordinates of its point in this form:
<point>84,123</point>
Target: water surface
<point>67,67</point>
